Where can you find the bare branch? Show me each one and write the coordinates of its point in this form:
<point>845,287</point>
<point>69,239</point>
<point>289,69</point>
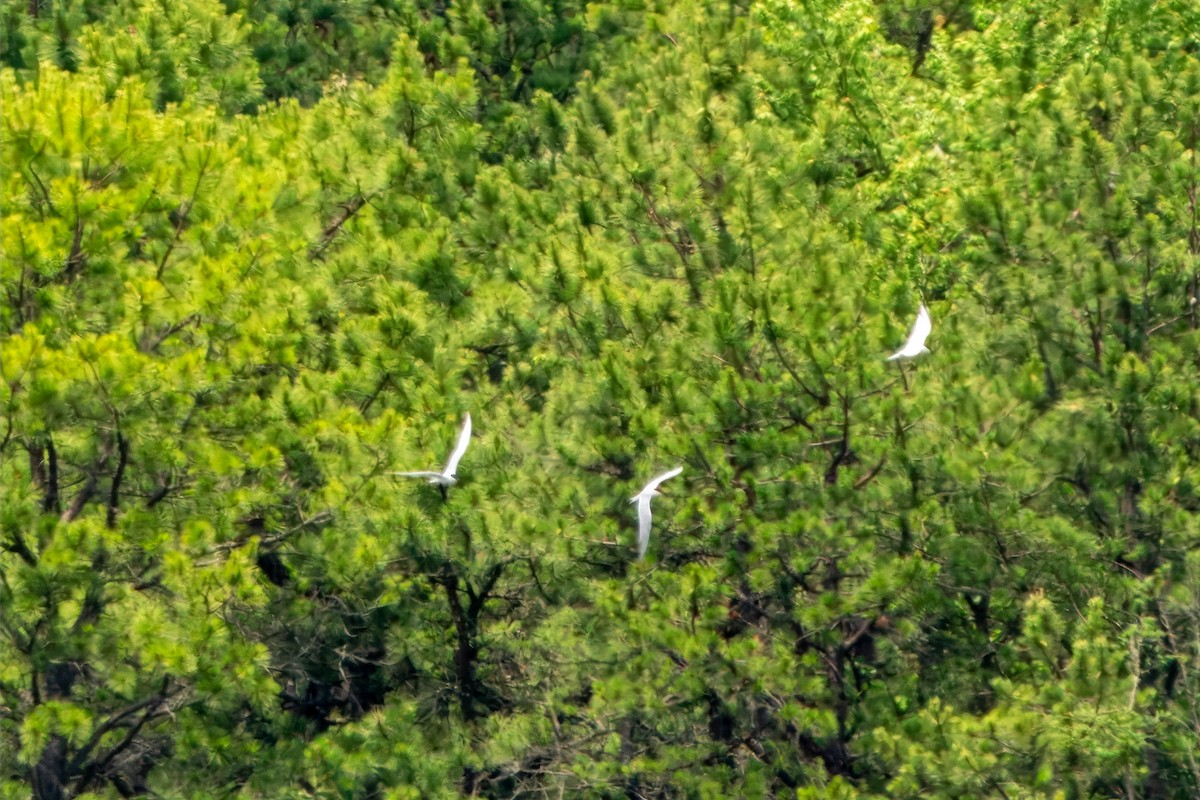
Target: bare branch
<point>114,495</point>
<point>113,722</point>
<point>185,211</point>
<point>89,488</point>
<point>76,258</point>
<point>225,547</point>
<point>865,479</point>
<point>151,708</point>
<point>349,209</point>
<point>150,345</point>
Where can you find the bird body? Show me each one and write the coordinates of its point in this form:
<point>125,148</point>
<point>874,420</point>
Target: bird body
<point>642,499</point>
<point>432,477</point>
<point>915,345</point>
<point>448,476</point>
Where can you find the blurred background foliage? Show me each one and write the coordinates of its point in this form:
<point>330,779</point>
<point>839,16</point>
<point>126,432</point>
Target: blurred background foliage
<point>256,255</point>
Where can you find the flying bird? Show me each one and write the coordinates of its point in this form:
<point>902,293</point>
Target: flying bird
<point>642,498</point>
<point>449,476</point>
<point>915,345</point>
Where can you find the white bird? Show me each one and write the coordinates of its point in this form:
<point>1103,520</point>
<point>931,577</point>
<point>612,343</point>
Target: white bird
<point>448,476</point>
<point>915,345</point>
<point>642,498</point>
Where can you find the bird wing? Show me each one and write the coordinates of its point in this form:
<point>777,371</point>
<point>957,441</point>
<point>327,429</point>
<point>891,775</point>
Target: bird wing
<point>920,331</point>
<point>464,438</point>
<point>418,474</point>
<point>653,484</point>
<point>916,337</point>
<point>643,524</point>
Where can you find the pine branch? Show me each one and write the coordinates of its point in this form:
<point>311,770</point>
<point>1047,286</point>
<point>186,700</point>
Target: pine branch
<point>114,495</point>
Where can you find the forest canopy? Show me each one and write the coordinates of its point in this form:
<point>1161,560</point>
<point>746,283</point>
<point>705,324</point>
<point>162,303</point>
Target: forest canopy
<point>259,255</point>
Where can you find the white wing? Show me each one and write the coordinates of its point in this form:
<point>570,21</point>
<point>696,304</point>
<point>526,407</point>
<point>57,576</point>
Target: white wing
<point>920,331</point>
<point>643,524</point>
<point>916,338</point>
<point>643,504</point>
<point>653,484</point>
<point>464,438</point>
<point>418,474</point>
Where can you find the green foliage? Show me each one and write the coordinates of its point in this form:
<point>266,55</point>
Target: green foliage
<point>259,255</point>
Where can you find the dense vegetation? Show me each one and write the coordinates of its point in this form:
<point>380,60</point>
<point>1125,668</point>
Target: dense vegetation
<point>256,255</point>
